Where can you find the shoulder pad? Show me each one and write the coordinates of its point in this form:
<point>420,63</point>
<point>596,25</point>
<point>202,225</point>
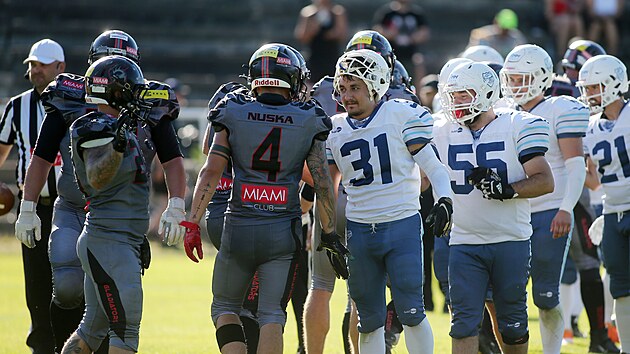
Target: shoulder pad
<point>163,100</point>
<point>93,126</point>
<point>67,95</point>
<point>223,90</point>
<point>324,82</point>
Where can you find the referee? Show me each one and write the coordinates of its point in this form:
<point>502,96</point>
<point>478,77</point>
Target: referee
<point>19,126</point>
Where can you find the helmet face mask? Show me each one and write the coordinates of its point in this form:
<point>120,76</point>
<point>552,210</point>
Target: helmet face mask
<point>608,74</point>
<point>114,42</point>
<point>445,72</point>
<point>536,68</point>
<point>276,65</point>
<point>117,82</point>
<point>476,80</point>
<point>367,66</point>
<point>400,77</point>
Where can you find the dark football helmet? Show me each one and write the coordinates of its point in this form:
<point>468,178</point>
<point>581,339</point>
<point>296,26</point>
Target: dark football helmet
<point>275,65</point>
<point>579,52</point>
<point>375,41</point>
<point>305,73</point>
<point>114,42</point>
<point>400,77</point>
<point>116,81</point>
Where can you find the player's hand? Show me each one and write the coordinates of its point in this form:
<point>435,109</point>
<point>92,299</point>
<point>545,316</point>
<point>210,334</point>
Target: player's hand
<point>561,224</point>
<point>440,218</point>
<point>192,240</point>
<point>28,227</point>
<point>490,184</point>
<point>336,252</point>
<point>170,221</point>
<point>126,121</point>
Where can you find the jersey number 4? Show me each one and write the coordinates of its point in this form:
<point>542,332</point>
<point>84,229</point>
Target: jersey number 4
<point>363,163</point>
<point>272,164</point>
<point>481,156</point>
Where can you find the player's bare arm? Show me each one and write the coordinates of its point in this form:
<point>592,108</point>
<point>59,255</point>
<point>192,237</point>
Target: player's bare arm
<point>36,177</point>
<point>539,179</point>
<point>175,176</point>
<point>209,175</point>
<point>4,152</point>
<point>101,164</point>
<point>592,180</point>
<point>318,166</point>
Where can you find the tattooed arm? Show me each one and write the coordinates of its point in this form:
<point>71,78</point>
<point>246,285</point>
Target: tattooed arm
<point>101,165</point>
<point>318,166</point>
<point>209,176</point>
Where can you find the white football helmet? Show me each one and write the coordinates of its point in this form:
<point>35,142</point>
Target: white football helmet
<point>610,74</point>
<point>483,53</point>
<point>480,82</point>
<point>536,67</point>
<point>443,78</point>
<point>366,65</point>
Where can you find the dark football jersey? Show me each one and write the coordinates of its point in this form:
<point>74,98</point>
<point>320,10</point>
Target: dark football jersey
<point>218,204</point>
<point>269,145</point>
<point>562,86</point>
<point>126,197</point>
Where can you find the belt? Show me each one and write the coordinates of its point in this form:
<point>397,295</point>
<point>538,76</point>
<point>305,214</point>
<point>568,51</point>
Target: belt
<point>46,201</point>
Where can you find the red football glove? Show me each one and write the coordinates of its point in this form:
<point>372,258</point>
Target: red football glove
<point>192,240</point>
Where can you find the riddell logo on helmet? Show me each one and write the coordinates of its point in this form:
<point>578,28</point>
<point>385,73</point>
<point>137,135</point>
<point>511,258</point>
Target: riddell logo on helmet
<point>266,82</point>
<point>100,80</point>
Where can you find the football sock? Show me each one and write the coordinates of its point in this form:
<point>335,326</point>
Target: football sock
<point>419,339</point>
<point>551,329</point>
<point>373,342</point>
<point>622,312</point>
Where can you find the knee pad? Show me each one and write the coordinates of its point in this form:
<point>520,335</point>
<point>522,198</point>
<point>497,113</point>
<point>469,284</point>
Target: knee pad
<point>515,340</point>
<point>230,333</point>
<point>68,288</point>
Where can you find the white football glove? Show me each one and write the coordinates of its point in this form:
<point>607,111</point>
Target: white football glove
<point>28,227</point>
<point>596,231</point>
<point>169,222</point>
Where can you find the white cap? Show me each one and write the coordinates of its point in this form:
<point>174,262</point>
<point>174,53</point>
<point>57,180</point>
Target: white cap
<point>45,51</point>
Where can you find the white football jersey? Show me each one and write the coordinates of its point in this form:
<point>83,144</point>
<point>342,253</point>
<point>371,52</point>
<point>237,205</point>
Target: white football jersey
<point>379,174</point>
<point>499,145</point>
<point>607,143</point>
<point>568,118</point>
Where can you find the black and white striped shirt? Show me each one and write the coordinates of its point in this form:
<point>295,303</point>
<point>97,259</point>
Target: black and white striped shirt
<point>20,125</point>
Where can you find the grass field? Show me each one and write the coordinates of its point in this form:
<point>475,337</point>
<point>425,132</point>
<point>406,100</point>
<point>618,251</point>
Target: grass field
<point>176,318</point>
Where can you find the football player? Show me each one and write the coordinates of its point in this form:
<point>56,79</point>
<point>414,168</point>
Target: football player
<point>316,311</point>
<point>264,209</point>
<point>496,162</point>
<point>375,150</point>
<point>65,101</point>
<point>602,83</point>
<point>527,73</point>
<point>112,174</point>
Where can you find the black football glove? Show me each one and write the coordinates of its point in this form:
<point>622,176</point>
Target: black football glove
<point>490,184</point>
<point>336,252</point>
<point>440,218</point>
<point>145,254</point>
<point>126,122</point>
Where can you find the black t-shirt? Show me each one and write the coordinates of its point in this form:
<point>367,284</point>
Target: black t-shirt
<point>406,23</point>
